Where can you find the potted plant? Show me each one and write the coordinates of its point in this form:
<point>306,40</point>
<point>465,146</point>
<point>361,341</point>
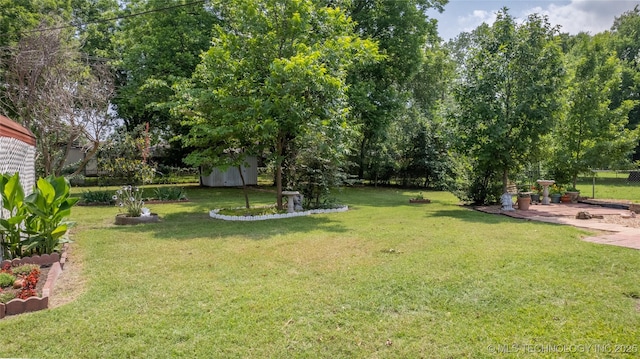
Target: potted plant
<point>573,193</point>
<point>555,192</point>
<point>524,200</point>
<point>129,200</point>
<point>536,193</point>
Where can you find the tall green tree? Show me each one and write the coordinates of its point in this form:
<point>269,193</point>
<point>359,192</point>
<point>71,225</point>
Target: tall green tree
<point>592,133</point>
<point>508,95</point>
<point>20,17</point>
<point>156,44</point>
<point>378,92</point>
<point>48,84</point>
<point>626,39</point>
<point>51,90</point>
<point>275,70</point>
<point>416,151</point>
<point>96,24</point>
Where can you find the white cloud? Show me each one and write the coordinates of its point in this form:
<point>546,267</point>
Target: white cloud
<point>573,16</point>
<point>477,17</point>
<point>590,16</point>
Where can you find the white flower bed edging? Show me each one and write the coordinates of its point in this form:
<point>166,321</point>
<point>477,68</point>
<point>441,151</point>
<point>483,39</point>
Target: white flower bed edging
<point>214,214</point>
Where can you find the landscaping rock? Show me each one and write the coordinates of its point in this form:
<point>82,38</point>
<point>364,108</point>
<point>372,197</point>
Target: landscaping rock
<point>583,215</point>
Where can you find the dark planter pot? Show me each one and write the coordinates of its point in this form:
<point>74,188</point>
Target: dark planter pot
<point>123,219</point>
<point>555,198</point>
<point>535,198</point>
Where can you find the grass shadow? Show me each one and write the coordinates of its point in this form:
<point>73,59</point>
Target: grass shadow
<point>190,225</point>
<point>468,214</point>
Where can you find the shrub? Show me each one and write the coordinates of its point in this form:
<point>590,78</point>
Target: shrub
<point>170,194</point>
<point>123,158</point>
<point>105,197</point>
<point>169,174</point>
<point>6,279</point>
<point>476,185</point>
<point>6,296</point>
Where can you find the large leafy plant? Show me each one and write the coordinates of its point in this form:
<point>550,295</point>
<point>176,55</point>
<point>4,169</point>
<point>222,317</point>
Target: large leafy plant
<point>49,205</point>
<point>13,216</point>
<point>35,224</point>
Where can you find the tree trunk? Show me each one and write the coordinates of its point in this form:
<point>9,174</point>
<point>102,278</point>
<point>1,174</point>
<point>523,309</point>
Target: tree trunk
<point>279,185</point>
<point>363,145</point>
<point>279,149</point>
<point>505,180</point>
<point>244,188</point>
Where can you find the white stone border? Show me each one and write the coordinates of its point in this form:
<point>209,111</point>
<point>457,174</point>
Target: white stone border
<point>214,214</point>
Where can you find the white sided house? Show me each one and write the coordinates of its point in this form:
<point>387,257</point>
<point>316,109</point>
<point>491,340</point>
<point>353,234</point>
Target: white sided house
<point>231,176</point>
<point>18,153</point>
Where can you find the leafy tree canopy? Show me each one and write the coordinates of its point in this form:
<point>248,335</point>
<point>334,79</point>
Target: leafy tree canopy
<point>592,133</point>
<point>379,91</point>
<point>154,50</point>
<point>508,93</point>
<point>276,69</point>
<point>18,17</point>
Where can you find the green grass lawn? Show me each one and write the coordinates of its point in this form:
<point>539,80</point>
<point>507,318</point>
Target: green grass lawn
<point>609,185</point>
<point>384,280</point>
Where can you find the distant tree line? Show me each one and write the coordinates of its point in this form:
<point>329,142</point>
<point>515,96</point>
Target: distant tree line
<point>326,92</point>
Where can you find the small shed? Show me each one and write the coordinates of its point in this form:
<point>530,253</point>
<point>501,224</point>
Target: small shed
<point>77,154</point>
<point>18,152</point>
<point>231,177</point>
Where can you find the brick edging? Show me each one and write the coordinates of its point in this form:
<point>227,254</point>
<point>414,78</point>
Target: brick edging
<point>32,304</point>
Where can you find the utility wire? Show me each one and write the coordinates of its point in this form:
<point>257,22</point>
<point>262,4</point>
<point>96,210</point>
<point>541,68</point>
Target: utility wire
<point>117,17</point>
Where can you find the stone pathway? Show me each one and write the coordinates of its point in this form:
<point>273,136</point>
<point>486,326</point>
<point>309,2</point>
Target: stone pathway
<point>565,213</point>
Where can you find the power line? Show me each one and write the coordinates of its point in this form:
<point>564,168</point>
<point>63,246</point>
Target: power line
<point>117,17</point>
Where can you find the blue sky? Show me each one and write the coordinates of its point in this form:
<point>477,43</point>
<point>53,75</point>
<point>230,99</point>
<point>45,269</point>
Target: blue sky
<point>573,16</point>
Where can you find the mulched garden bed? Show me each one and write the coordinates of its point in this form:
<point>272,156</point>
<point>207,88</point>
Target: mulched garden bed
<point>50,268</point>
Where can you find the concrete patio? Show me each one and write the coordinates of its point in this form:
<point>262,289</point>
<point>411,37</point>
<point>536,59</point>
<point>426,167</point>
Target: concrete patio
<point>622,233</point>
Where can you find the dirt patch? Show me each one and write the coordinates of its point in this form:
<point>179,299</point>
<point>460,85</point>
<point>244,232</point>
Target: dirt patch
<point>70,284</point>
<point>622,220</point>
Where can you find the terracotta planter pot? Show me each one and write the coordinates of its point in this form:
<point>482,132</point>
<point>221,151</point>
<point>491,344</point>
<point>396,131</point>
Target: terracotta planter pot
<point>565,198</point>
<point>123,219</point>
<point>573,196</point>
<point>524,203</point>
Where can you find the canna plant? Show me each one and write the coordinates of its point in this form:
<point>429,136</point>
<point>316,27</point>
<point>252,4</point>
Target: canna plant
<point>35,224</point>
<point>49,205</point>
<point>13,216</point>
